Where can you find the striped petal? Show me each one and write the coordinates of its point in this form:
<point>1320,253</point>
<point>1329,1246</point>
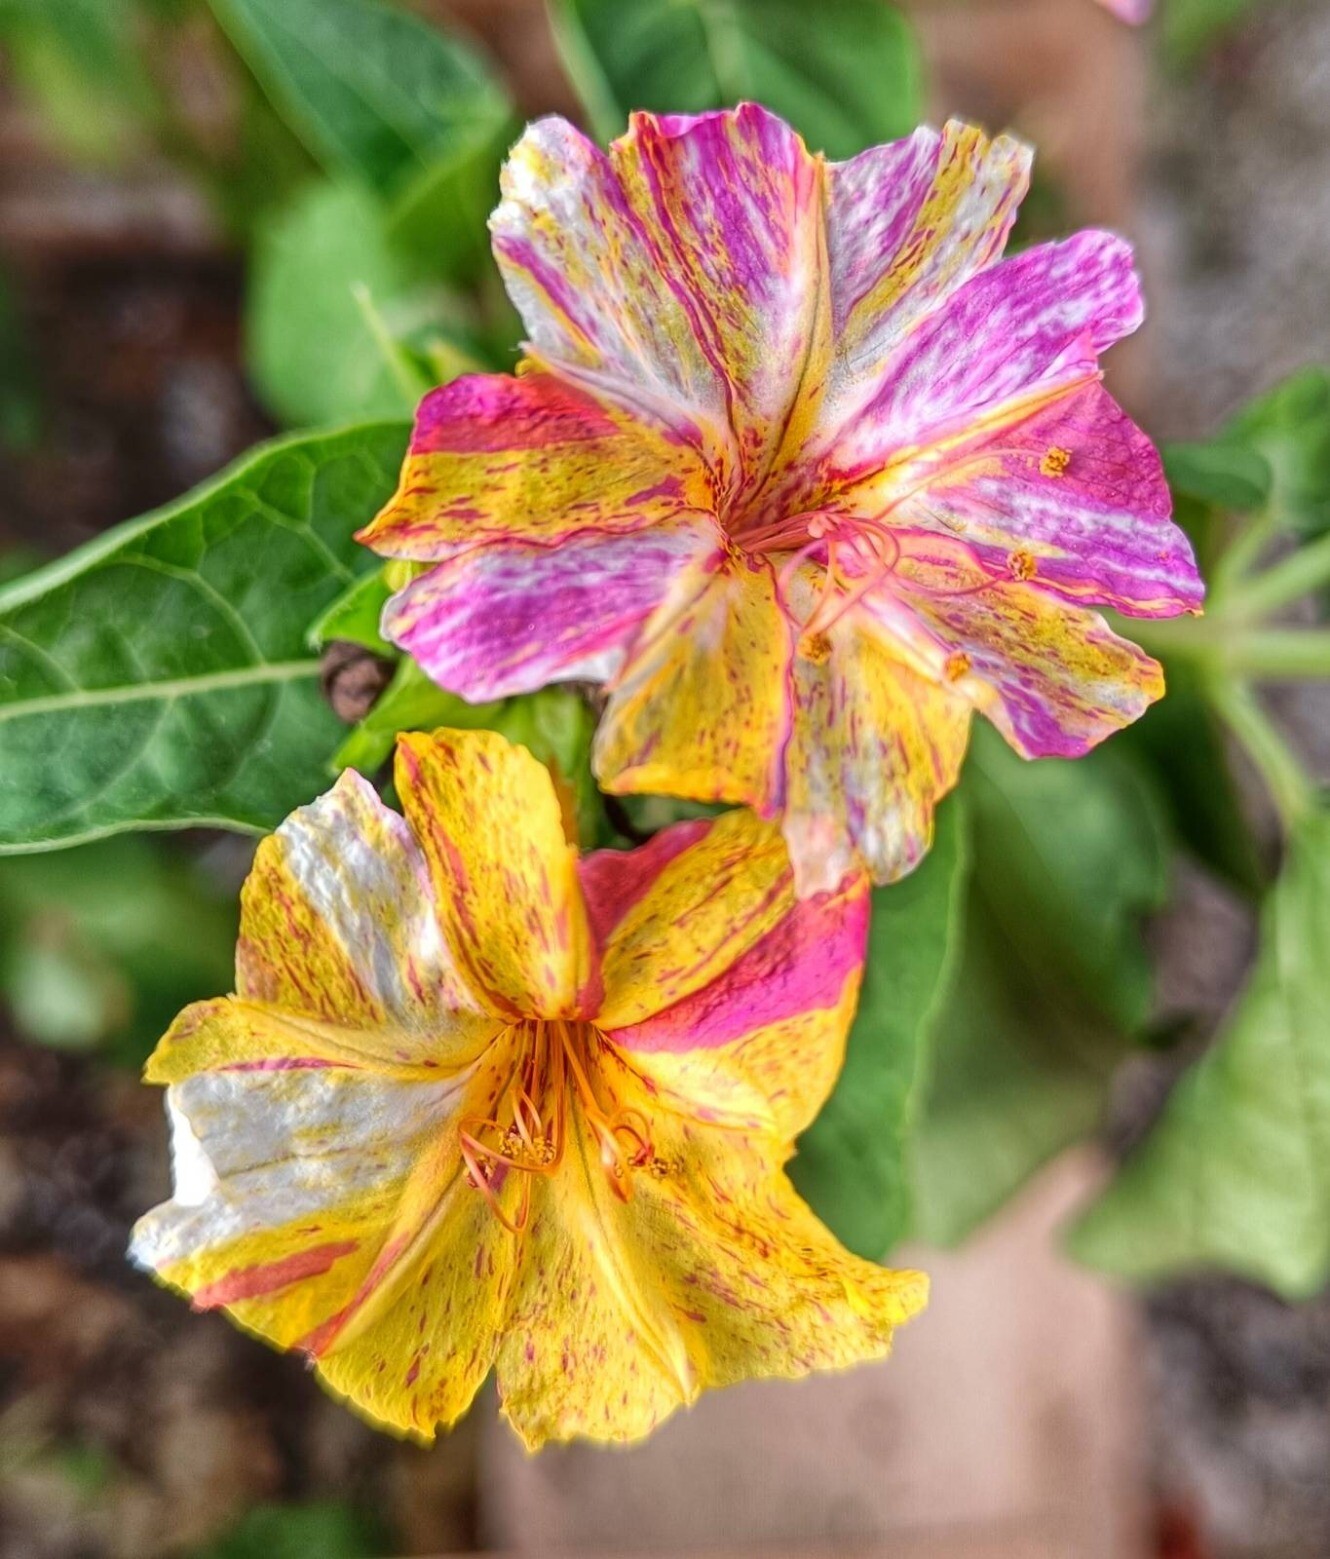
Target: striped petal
<point>908,223</point>
<point>681,270</point>
<point>1051,676</point>
<point>504,876</point>
<point>761,1042</point>
<point>713,1272</point>
<point>513,616</point>
<point>702,707</point>
<point>876,745</point>
<point>337,924</point>
<point>1072,494</point>
<point>324,1208</point>
<point>494,457</point>
<point>1018,331</point>
<point>694,905</point>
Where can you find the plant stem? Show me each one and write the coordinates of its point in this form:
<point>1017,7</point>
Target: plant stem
<point>1277,653</point>
<point>1297,575</point>
<point>1279,766</point>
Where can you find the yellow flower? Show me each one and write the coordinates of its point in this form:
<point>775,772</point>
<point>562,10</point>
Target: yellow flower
<point>477,1104</point>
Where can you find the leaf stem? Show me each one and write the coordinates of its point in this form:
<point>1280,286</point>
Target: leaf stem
<point>1290,786</point>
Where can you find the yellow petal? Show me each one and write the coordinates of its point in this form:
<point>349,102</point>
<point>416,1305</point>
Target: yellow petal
<point>706,907</point>
<point>505,878</point>
<point>702,706</point>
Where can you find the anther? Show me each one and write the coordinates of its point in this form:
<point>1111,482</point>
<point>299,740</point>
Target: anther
<point>956,666</point>
<point>1021,564</point>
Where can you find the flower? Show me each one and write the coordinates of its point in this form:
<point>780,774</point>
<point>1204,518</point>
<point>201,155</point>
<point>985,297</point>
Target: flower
<point>477,1104</point>
<point>799,469</point>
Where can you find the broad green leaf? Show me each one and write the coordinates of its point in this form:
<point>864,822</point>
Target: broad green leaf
<point>102,945</point>
<point>159,676</point>
<point>1069,855</point>
<point>1236,1174</point>
<point>334,311</point>
<point>853,1164</point>
<point>1052,979</point>
<point>412,112</point>
<point>845,73</point>
<point>1289,428</point>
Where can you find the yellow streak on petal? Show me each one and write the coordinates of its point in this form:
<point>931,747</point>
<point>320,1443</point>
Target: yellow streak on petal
<point>702,706</point>
<point>488,822</point>
<point>707,907</point>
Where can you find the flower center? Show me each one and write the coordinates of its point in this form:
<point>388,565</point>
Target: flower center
<point>528,1131</point>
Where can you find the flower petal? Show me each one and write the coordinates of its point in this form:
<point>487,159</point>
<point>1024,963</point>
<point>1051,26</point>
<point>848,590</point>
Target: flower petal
<point>1076,493</point>
<point>512,616</point>
<point>908,223</point>
<point>702,908</point>
<point>1013,334</point>
<point>494,457</point>
<point>337,923</point>
<point>702,707</point>
<point>1051,676</point>
<point>488,822</point>
<point>876,745</point>
<point>326,1210</point>
<point>760,1045</point>
<point>711,1273</point>
<point>681,271</point>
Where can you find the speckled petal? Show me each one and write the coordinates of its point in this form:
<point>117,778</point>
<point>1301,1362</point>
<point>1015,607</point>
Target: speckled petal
<point>1014,334</point>
<point>1051,676</point>
<point>489,825</point>
<point>495,457</point>
<point>323,1208</point>
<point>1074,495</point>
<point>711,1273</point>
<point>678,273</point>
<point>759,1045</point>
<point>513,616</point>
<point>908,223</point>
<point>337,924</point>
<point>690,914</point>
<point>877,743</point>
<point>702,707</point>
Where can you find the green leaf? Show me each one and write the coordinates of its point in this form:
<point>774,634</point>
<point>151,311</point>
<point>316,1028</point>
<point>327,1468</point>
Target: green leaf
<point>335,310</point>
<point>355,615</point>
<point>845,73</point>
<point>1053,976</point>
<point>412,112</point>
<point>104,944</point>
<point>1236,1174</point>
<point>1289,428</point>
<point>324,1528</point>
<point>159,678</point>
<point>852,1165</point>
<point>1069,855</point>
<point>1182,741</point>
<point>1225,471</point>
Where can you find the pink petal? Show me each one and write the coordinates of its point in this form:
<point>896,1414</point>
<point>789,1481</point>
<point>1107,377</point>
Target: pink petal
<point>514,616</point>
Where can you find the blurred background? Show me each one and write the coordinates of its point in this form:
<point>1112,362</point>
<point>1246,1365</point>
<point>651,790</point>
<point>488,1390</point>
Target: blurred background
<point>1038,1411</point>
